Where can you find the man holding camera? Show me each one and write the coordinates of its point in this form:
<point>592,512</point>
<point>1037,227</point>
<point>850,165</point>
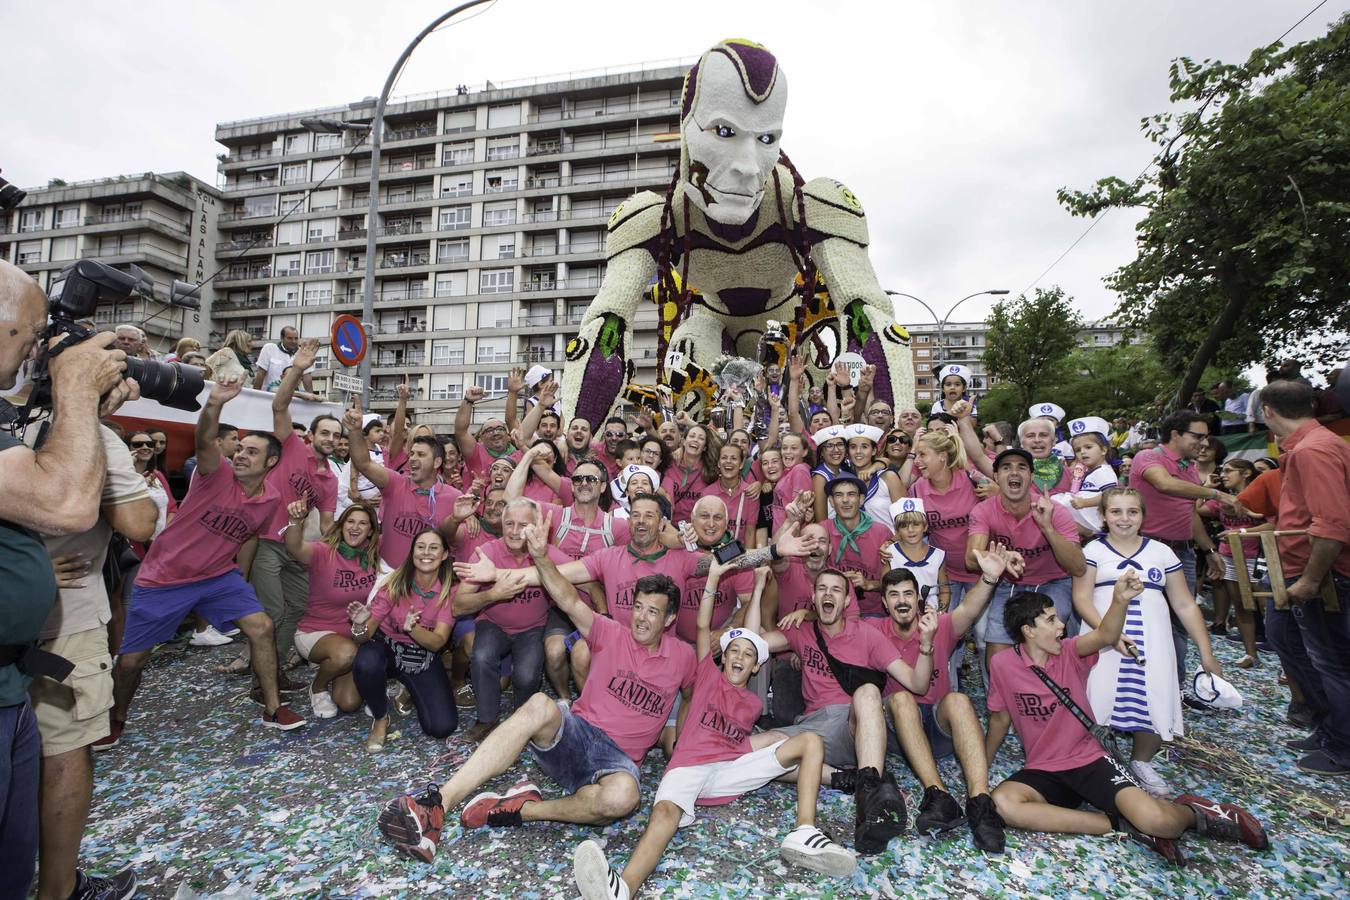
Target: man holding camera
<point>55,490</point>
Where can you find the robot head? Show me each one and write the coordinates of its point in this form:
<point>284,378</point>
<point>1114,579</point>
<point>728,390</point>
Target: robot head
<point>731,122</point>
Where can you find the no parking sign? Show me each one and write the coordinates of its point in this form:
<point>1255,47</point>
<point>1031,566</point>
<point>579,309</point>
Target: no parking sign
<point>349,340</point>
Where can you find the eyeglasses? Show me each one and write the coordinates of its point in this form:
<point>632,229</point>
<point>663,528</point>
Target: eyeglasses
<point>585,479</point>
<point>137,445</point>
<point>1198,435</point>
<point>616,435</point>
<point>495,429</point>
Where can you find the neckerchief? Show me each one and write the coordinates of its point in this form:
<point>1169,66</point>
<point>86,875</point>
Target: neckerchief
<point>510,448</point>
<point>1046,473</point>
<point>650,557</point>
<point>347,551</point>
<point>245,361</point>
<point>425,595</point>
<point>850,536</point>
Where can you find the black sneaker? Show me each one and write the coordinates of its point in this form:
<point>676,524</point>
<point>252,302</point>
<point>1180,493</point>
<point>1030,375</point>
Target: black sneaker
<point>1299,715</point>
<point>881,811</point>
<point>1319,762</point>
<point>844,780</point>
<point>1305,745</point>
<point>986,825</point>
<point>120,886</point>
<point>938,811</point>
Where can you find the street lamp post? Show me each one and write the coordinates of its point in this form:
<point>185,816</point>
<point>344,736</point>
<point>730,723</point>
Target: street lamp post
<point>941,322</point>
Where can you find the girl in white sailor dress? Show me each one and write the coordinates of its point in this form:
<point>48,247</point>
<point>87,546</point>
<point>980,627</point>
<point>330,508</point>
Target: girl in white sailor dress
<point>1138,693</point>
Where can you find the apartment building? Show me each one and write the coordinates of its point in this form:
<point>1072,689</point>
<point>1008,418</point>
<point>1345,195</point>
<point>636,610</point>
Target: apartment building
<point>964,342</point>
<point>490,239</point>
<point>162,223</point>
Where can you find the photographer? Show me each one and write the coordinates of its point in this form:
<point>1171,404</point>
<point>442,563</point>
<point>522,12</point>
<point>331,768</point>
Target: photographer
<point>55,490</point>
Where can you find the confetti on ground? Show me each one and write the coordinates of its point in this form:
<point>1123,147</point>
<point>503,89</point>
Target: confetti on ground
<point>208,804</point>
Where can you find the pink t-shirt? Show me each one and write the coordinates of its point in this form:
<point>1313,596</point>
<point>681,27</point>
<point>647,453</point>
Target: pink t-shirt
<point>529,608</point>
<point>619,570</point>
<point>948,515</point>
<point>398,462</point>
<point>718,724</point>
<point>584,537</point>
<point>684,487</point>
<point>742,512</point>
<point>793,482</point>
<point>865,559</point>
<point>1024,535</point>
<point>1051,737</point>
<point>1251,546</point>
<point>478,462</point>
<point>539,492</point>
<point>1165,517</point>
<point>389,617</point>
<point>731,587</point>
<point>630,689</point>
<point>299,475</point>
<point>859,644</point>
<point>334,582</point>
<point>213,522</point>
<point>405,510</point>
<point>796,588</point>
<point>944,642</point>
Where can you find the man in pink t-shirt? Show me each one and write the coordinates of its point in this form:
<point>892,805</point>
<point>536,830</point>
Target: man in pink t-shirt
<point>856,541</point>
<point>1041,533</point>
<point>191,566</point>
<point>637,672</point>
<point>710,526</point>
<point>1065,765</point>
<point>492,442</point>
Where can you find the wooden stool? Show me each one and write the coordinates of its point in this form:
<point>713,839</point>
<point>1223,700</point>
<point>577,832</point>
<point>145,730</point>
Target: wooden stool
<point>1271,551</point>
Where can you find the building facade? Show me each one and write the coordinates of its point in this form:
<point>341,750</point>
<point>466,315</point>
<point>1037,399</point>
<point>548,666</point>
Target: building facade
<point>162,223</point>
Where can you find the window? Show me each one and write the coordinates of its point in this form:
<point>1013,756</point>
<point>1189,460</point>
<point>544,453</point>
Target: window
<point>289,233</point>
<point>327,141</point>
<point>294,173</point>
<point>447,387</point>
<point>923,354</point>
<point>449,317</point>
<point>31,220</point>
<point>296,143</point>
<point>499,214</point>
<point>260,206</point>
<point>496,281</point>
<point>321,230</point>
<point>498,246</point>
<point>924,395</point>
<point>30,252</point>
<point>457,185</point>
<point>314,325</point>
<point>67,217</point>
<point>495,181</point>
<point>290,202</point>
<point>460,120</point>
<point>452,284</point>
<point>321,200</point>
<point>456,218</point>
<point>448,352</point>
<point>457,154</point>
<point>492,385</point>
<point>576,309</point>
<point>503,116</point>
<point>320,294</point>
<point>494,315</point>
<point>452,251</point>
<point>616,171</point>
<point>288,264</point>
<point>286,295</point>
<point>63,248</point>
<point>503,148</point>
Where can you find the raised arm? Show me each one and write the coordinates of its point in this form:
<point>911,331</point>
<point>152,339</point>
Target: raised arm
<point>515,485</point>
<point>1108,632</point>
<point>361,460</point>
<point>515,383</point>
<point>558,586</point>
<point>208,424</point>
<point>1068,553</point>
<point>281,400</point>
<point>468,444</point>
<point>398,428</point>
<point>918,677</point>
<point>965,427</point>
<point>483,571</point>
<point>796,373</point>
<point>703,643</point>
<point>296,545</point>
<point>993,563</point>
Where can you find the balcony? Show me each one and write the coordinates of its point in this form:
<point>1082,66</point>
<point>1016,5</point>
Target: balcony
<point>240,216</point>
<point>390,393</point>
<point>391,360</point>
<point>244,244</point>
<point>405,260</point>
<point>404,228</point>
<point>538,355</point>
<point>237,305</point>
<point>351,234</point>
<point>498,153</point>
<point>537,320</point>
<point>251,155</point>
<point>407,197</point>
<point>493,356</point>
<point>448,357</point>
<point>452,258</point>
<point>411,132</point>
<point>245,275</point>
<point>395,166</point>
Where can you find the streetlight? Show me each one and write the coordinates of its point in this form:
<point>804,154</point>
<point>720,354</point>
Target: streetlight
<point>941,322</point>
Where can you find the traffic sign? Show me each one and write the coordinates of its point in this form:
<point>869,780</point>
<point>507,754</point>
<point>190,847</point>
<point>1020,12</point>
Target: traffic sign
<point>347,383</point>
<point>349,340</point>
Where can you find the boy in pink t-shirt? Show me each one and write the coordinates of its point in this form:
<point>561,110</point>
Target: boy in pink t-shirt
<point>714,763</point>
<point>1065,764</point>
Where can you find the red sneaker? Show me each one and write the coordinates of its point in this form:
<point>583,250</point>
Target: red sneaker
<point>113,737</point>
<point>498,809</point>
<point>1225,821</point>
<point>1168,848</point>
<point>282,718</point>
<point>414,824</point>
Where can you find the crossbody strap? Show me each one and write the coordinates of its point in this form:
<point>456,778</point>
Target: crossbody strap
<point>1062,696</point>
<point>850,676</point>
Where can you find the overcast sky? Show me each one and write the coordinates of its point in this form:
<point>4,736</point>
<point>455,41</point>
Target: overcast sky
<point>954,123</point>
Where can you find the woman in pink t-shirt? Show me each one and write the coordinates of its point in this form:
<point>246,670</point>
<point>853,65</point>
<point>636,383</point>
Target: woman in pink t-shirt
<point>1236,475</point>
<point>343,567</point>
<point>546,478</point>
<point>401,633</point>
<point>692,468</point>
<point>948,497</point>
<point>795,477</point>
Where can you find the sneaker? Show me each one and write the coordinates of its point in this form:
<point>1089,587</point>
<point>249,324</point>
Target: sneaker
<point>1299,715</point>
<point>986,825</point>
<point>595,879</point>
<point>479,731</point>
<point>881,813</point>
<point>500,810</point>
<point>282,719</point>
<point>209,638</point>
<point>464,696</point>
<point>230,632</point>
<point>322,704</point>
<point>1319,762</point>
<point>121,886</point>
<point>1306,744</point>
<point>938,811</point>
<point>1149,779</point>
<point>809,847</point>
<point>294,660</point>
<point>112,739</point>
<point>414,824</point>
<point>844,780</point>
<point>1225,821</point>
<point>286,686</point>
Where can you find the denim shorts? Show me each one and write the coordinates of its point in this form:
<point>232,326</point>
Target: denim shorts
<point>939,741</point>
<point>1060,591</point>
<point>581,754</point>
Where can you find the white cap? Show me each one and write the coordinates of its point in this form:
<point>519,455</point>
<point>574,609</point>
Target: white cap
<point>761,645</point>
<point>1089,425</point>
<point>906,504</point>
<point>860,429</point>
<point>1214,691</point>
<point>635,469</point>
<point>959,371</point>
<point>1048,410</point>
<point>537,374</point>
<point>370,417</point>
<point>828,433</point>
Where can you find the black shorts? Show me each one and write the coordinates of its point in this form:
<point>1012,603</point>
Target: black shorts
<point>1096,783</point>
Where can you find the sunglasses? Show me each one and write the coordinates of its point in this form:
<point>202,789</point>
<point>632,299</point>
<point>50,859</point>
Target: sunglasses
<point>137,445</point>
<point>585,479</point>
<point>617,435</point>
<point>897,439</point>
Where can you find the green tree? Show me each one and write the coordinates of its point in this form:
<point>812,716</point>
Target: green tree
<point>1242,249</point>
<point>1028,342</point>
<point>1124,380</point>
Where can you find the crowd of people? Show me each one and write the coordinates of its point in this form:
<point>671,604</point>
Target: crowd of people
<point>832,596</point>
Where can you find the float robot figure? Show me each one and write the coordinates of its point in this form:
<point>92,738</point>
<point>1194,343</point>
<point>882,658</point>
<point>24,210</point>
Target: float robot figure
<point>738,240</point>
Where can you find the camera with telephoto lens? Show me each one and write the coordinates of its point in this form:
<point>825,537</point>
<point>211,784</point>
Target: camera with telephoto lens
<point>74,296</point>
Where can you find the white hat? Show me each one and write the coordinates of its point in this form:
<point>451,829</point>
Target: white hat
<point>761,645</point>
<point>1089,425</point>
<point>636,469</point>
<point>828,433</point>
<point>537,374</point>
<point>1214,691</point>
<point>959,371</point>
<point>860,429</point>
<point>370,417</point>
<point>906,504</point>
<point>1048,410</point>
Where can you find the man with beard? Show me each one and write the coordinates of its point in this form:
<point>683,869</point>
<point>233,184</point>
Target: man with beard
<point>577,444</point>
<point>607,449</point>
<point>856,540</point>
<point>493,440</point>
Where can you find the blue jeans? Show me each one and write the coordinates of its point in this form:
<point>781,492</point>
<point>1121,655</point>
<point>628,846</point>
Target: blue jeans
<point>581,754</point>
<point>1060,591</point>
<point>1313,644</point>
<point>430,689</point>
<point>490,644</point>
<point>1180,640</point>
<point>20,762</point>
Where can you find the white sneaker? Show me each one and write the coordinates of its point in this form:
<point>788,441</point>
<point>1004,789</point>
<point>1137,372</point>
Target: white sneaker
<point>231,632</point>
<point>1149,779</point>
<point>209,638</point>
<point>594,878</point>
<point>323,705</point>
<point>809,847</point>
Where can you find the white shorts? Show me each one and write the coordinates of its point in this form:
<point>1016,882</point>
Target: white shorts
<point>305,641</point>
<point>687,785</point>
<point>1230,569</point>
